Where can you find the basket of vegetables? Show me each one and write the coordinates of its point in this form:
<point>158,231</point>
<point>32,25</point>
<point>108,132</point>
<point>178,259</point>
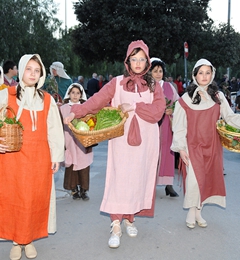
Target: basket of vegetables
<point>229,136</point>
<point>108,123</point>
<point>11,130</point>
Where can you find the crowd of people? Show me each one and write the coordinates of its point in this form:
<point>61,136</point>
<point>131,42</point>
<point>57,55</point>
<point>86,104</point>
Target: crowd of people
<point>162,116</point>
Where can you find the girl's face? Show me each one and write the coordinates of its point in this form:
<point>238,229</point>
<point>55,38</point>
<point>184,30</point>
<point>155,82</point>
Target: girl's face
<point>75,95</point>
<point>204,75</point>
<point>138,62</point>
<point>32,73</point>
<point>157,73</point>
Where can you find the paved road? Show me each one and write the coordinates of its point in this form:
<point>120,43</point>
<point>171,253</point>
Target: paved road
<point>83,231</point>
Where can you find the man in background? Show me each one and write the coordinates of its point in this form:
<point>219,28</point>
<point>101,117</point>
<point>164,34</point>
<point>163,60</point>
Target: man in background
<point>10,71</point>
<point>92,85</point>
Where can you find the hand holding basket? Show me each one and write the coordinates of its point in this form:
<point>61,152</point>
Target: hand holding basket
<point>90,138</point>
<point>11,130</point>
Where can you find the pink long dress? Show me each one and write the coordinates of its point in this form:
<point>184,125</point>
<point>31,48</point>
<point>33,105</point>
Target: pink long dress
<point>131,170</point>
<point>166,156</point>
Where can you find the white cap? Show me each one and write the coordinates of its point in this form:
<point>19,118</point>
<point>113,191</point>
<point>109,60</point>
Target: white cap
<point>155,59</point>
<point>84,96</point>
<point>58,66</point>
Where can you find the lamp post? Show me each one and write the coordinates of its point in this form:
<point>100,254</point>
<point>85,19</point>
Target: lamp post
<point>229,10</point>
<point>65,16</point>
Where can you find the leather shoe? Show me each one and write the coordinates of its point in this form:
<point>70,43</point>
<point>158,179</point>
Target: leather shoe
<point>170,191</point>
<point>16,252</point>
<point>83,194</point>
<point>30,251</point>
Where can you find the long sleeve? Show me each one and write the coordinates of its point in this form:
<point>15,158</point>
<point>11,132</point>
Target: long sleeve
<point>97,101</point>
<point>153,112</point>
<point>179,127</point>
<point>3,97</point>
<point>55,133</point>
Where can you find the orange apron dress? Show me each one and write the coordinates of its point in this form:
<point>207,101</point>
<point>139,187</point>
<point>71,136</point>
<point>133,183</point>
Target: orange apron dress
<point>26,180</point>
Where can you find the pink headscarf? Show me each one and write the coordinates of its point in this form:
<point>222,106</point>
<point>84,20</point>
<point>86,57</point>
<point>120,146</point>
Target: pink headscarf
<point>130,81</point>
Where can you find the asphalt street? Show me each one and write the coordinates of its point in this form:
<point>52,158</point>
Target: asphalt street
<point>83,231</point>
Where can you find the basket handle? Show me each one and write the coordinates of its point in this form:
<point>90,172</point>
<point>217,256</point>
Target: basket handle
<point>13,113</point>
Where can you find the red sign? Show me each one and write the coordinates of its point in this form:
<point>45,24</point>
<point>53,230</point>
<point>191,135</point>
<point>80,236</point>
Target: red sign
<point>185,49</point>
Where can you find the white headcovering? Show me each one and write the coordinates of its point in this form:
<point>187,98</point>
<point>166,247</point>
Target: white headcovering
<point>84,96</point>
<point>1,76</point>
<point>29,96</point>
<point>202,62</point>
<point>58,66</point>
<point>155,59</point>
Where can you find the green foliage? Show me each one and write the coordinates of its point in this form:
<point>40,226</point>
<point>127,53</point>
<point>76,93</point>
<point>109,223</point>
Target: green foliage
<point>27,26</point>
<point>106,28</point>
<point>11,121</point>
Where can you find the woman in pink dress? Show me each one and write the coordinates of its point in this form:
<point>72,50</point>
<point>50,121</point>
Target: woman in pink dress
<point>133,157</point>
<point>166,156</point>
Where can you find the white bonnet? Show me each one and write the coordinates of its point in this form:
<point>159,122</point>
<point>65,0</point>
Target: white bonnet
<point>202,62</point>
<point>58,66</point>
<point>155,59</point>
<point>22,65</point>
<point>84,96</point>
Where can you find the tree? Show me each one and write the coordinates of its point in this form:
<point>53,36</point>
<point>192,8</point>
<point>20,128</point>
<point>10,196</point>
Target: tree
<point>221,45</point>
<point>107,27</point>
<point>27,26</point>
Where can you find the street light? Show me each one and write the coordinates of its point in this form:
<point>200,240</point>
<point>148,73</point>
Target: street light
<point>65,16</point>
<point>229,9</point>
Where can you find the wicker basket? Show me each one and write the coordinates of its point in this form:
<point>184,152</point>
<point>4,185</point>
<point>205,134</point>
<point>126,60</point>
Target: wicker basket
<point>89,138</point>
<point>13,134</point>
<point>230,140</point>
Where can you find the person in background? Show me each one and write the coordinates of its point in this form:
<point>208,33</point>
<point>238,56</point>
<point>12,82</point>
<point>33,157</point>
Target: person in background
<point>178,82</point>
<point>166,172</point>
<point>170,80</point>
<point>224,88</point>
<point>28,173</point>
<point>100,81</point>
<point>10,71</point>
<point>81,81</point>
<point>132,158</point>
<point>77,157</point>
<point>237,103</point>
<point>92,85</point>
<point>110,77</point>
<point>63,80</point>
<point>196,139</point>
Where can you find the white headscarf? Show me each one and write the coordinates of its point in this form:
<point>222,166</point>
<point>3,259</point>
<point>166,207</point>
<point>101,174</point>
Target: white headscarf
<point>84,96</point>
<point>1,76</point>
<point>203,89</point>
<point>29,96</point>
<point>58,66</point>
<point>155,59</point>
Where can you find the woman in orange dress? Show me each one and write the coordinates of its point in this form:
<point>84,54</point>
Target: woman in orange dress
<point>25,216</point>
